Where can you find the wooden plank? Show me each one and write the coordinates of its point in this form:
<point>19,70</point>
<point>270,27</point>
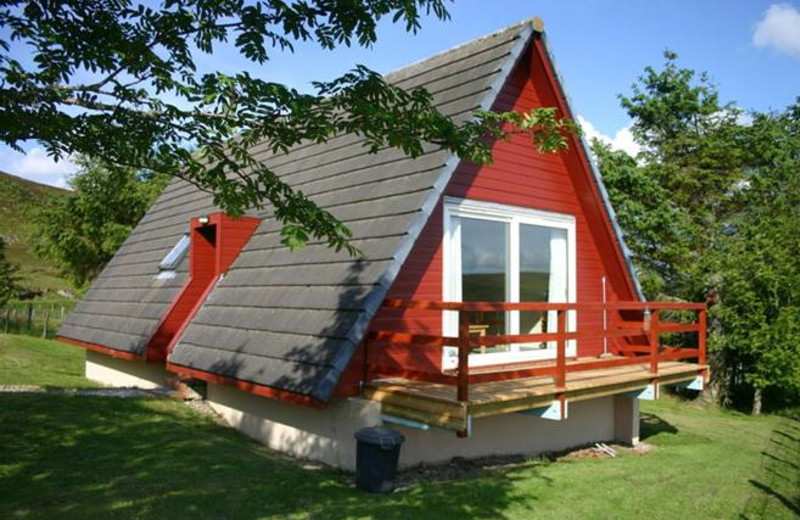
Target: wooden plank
<point>437,404</point>
<point>504,407</point>
<point>423,402</point>
<point>378,393</point>
<point>440,420</point>
<point>597,392</point>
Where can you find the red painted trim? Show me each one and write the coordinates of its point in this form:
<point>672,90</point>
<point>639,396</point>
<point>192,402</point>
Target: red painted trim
<point>247,386</point>
<point>150,357</point>
<point>191,315</point>
<point>399,303</point>
<point>119,354</point>
<point>464,376</point>
<point>215,244</point>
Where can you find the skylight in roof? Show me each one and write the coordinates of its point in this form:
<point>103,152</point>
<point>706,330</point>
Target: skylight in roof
<point>176,254</point>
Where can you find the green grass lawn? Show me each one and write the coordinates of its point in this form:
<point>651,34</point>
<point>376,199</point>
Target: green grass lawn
<point>25,360</point>
<point>86,458</point>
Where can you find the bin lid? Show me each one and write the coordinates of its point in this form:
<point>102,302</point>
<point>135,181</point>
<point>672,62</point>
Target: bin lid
<point>381,436</point>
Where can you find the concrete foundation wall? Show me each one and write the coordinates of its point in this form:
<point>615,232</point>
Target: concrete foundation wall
<point>511,434</point>
<point>115,372</point>
<point>327,435</point>
<point>322,435</point>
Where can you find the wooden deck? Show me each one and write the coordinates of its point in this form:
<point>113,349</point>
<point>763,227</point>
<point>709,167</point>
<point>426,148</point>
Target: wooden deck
<point>436,404</point>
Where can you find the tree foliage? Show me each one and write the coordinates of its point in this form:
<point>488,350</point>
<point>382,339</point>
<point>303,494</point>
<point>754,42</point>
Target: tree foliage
<point>758,263</point>
<point>656,227</point>
<point>8,276</point>
<point>711,210</point>
<point>145,102</point>
<point>83,230</point>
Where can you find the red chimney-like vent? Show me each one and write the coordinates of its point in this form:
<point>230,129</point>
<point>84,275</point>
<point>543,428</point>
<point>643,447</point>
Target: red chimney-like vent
<point>216,241</point>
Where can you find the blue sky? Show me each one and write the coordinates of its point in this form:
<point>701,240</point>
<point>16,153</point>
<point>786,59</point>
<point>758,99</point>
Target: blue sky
<point>750,48</point>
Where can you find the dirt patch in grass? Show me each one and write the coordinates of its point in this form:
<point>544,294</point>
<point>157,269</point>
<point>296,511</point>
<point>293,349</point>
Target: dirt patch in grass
<point>594,452</point>
<point>459,468</point>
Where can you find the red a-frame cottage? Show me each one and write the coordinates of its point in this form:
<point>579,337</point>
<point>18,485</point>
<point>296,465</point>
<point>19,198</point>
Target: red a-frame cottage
<point>488,300</point>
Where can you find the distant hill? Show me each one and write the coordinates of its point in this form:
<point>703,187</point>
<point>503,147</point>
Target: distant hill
<point>19,201</point>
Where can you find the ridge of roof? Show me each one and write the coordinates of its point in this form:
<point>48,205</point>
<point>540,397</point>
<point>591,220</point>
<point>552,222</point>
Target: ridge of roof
<point>533,22</point>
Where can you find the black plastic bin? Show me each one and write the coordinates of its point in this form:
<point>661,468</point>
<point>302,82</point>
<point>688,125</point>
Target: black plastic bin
<point>377,453</point>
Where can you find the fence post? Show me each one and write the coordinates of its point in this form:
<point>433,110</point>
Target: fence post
<point>561,350</point>
<point>702,320</point>
<point>654,337</point>
<point>30,317</point>
<point>44,326</point>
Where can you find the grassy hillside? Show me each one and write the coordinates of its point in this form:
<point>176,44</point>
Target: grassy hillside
<point>19,201</point>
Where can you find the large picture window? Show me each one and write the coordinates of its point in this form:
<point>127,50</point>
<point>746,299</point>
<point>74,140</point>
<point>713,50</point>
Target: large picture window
<point>499,253</point>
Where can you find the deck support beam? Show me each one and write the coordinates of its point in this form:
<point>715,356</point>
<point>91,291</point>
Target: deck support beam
<point>408,423</point>
<point>555,411</point>
<point>698,383</point>
<point>648,393</point>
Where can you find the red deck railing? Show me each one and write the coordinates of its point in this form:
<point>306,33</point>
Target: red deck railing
<point>637,341</point>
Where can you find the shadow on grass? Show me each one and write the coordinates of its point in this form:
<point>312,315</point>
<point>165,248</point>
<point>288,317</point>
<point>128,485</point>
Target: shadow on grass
<point>92,457</point>
<point>652,424</point>
<point>789,503</point>
<point>776,491</point>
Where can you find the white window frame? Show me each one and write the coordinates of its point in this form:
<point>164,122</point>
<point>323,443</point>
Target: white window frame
<point>451,272</point>
<point>176,254</point>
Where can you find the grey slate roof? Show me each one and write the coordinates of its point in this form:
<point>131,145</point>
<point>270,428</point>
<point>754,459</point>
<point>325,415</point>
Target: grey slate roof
<point>124,305</point>
<point>292,320</point>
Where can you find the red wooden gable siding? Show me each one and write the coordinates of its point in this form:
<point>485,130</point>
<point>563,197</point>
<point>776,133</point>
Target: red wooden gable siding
<point>519,176</point>
<point>214,247</point>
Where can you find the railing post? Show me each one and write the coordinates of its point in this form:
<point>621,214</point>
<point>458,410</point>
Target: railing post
<point>463,355</point>
<point>654,337</point>
<point>702,320</point>
<point>561,350</point>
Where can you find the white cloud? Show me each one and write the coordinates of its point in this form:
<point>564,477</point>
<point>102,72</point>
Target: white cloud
<point>622,140</point>
<point>779,29</point>
<point>37,166</point>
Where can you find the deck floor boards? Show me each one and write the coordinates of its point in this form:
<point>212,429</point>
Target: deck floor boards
<point>498,397</point>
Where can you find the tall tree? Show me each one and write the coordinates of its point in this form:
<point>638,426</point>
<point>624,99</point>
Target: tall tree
<point>710,208</point>
<point>82,231</point>
<point>119,80</point>
<point>692,149</point>
<point>758,264</point>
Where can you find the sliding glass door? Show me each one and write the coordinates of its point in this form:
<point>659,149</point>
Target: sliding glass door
<point>543,258</point>
<point>497,253</point>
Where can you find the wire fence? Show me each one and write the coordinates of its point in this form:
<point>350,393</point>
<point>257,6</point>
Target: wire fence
<point>40,318</point>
